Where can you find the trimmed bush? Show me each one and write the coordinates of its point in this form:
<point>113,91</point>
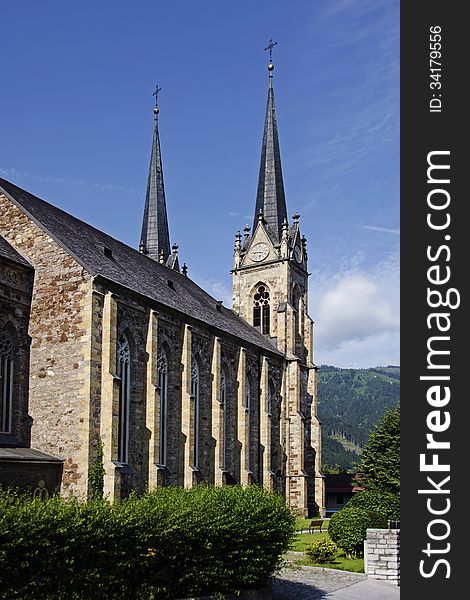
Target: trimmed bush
<point>321,551</point>
<point>385,504</point>
<point>348,528</point>
<point>171,543</point>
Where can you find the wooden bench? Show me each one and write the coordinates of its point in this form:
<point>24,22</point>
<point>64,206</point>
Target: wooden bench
<point>315,523</point>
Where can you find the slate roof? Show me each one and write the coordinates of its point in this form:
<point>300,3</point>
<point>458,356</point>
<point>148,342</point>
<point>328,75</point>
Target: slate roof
<point>127,267</point>
<point>26,454</point>
<point>7,251</point>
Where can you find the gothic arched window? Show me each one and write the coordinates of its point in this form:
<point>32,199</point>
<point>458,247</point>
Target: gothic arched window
<point>123,372</point>
<point>195,415</point>
<point>223,416</point>
<point>6,381</point>
<point>261,309</point>
<point>162,373</point>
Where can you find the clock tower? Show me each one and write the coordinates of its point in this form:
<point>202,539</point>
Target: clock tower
<point>270,291</point>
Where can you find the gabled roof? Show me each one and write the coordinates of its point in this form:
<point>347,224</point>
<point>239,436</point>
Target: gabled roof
<point>7,251</point>
<point>127,267</point>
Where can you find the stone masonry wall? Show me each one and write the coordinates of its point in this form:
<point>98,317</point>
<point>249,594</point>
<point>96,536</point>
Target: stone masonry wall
<point>382,554</point>
<point>59,361</point>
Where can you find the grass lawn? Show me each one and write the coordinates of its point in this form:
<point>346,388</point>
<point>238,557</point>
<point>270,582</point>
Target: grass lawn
<point>302,540</point>
<point>339,562</point>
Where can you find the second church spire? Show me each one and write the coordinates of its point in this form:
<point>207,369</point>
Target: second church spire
<point>155,237</point>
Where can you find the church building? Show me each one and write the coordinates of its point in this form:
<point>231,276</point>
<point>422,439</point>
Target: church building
<point>104,343</point>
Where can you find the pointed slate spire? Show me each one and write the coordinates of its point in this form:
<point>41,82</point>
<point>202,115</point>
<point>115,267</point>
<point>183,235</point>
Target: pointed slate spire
<point>270,196</point>
<point>155,237</point>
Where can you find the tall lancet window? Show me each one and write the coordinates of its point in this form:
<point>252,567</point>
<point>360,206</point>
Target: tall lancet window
<point>6,381</point>
<point>195,410</point>
<point>261,309</point>
<point>123,372</point>
<point>223,419</point>
<point>248,403</point>
<point>162,372</point>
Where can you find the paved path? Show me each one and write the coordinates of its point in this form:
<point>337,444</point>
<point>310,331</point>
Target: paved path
<point>295,582</point>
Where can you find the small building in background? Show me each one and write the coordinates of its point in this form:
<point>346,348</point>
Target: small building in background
<point>339,489</point>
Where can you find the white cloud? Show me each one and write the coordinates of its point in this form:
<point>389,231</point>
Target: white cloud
<point>376,350</point>
<point>354,310</point>
<point>382,229</point>
<point>356,314</point>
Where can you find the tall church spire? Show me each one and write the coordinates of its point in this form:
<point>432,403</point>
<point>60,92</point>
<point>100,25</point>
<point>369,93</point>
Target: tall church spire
<point>270,197</point>
<point>155,237</point>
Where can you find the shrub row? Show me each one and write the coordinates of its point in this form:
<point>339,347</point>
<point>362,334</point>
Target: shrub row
<point>171,543</point>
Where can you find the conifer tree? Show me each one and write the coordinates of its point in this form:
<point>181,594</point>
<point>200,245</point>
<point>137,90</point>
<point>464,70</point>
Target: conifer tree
<point>380,467</point>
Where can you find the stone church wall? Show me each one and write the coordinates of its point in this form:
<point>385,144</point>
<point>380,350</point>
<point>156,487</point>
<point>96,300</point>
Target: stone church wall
<point>76,321</point>
<point>59,329</point>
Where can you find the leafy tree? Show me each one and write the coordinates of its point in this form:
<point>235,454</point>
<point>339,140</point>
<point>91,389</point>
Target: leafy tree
<point>380,467</point>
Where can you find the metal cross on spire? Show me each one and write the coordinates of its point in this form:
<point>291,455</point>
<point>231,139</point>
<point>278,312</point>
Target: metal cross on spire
<point>156,92</point>
<point>270,47</point>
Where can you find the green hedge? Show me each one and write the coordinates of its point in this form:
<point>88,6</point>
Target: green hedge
<point>171,543</point>
<point>385,504</point>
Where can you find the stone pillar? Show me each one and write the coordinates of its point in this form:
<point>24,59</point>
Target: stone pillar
<point>291,335</point>
<point>242,420</point>
<point>110,398</point>
<point>382,554</point>
<point>308,337</point>
<point>153,401</point>
<point>297,477</point>
<point>217,415</point>
<point>319,483</point>
<point>186,408</point>
<point>265,426</point>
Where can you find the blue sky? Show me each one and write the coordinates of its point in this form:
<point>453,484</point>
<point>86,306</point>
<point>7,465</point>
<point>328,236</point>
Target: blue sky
<point>76,122</point>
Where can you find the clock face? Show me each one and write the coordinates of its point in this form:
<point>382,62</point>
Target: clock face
<point>259,252</point>
<point>298,254</point>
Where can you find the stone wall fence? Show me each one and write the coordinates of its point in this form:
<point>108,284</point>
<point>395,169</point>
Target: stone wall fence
<point>382,553</point>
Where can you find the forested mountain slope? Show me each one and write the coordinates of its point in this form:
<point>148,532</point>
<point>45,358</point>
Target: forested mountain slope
<point>350,402</point>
